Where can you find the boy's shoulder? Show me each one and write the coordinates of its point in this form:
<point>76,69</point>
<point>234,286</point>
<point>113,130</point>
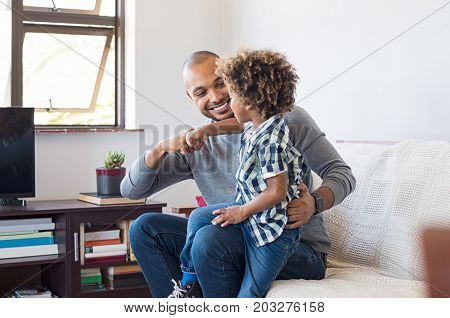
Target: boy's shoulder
<point>279,134</point>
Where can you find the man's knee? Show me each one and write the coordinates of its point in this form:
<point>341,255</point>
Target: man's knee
<point>205,243</point>
<point>142,227</point>
<point>199,218</point>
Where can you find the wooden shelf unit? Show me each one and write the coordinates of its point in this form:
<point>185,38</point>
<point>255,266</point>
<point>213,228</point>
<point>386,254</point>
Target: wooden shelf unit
<point>61,272</point>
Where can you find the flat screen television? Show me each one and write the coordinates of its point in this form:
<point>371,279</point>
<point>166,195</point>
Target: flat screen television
<point>17,175</point>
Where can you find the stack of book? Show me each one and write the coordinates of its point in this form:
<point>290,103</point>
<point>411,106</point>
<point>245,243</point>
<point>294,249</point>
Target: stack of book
<point>40,292</point>
<point>91,279</point>
<point>104,246</point>
<point>99,199</point>
<point>123,276</point>
<point>27,237</point>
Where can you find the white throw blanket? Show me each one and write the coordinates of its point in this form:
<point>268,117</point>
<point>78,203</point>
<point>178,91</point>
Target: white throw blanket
<point>375,232</point>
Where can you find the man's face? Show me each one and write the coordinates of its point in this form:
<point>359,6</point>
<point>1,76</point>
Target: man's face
<point>207,90</point>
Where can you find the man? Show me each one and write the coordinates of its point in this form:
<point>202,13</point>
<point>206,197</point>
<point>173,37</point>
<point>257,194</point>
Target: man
<point>218,253</point>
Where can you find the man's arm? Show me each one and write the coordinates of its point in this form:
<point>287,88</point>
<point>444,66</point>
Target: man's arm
<point>158,168</point>
<point>322,158</point>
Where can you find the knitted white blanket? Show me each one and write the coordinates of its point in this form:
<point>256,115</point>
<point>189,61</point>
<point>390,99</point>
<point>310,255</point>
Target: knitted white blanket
<point>375,232</point>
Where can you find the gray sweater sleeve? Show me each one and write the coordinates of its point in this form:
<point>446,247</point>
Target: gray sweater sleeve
<point>142,181</point>
<point>320,155</point>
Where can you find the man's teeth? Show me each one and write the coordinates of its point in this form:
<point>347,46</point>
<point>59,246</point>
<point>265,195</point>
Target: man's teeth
<point>220,107</point>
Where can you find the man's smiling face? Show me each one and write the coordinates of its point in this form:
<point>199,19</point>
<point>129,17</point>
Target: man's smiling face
<point>207,90</point>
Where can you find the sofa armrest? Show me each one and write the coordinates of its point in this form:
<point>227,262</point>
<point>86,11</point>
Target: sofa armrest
<point>187,210</point>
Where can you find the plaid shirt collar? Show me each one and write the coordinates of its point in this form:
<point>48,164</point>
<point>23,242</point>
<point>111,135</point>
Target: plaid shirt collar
<point>253,135</point>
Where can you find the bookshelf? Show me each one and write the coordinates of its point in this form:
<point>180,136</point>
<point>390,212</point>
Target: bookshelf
<point>61,272</point>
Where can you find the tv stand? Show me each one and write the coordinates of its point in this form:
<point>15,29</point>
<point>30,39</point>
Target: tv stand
<point>12,202</point>
<point>61,273</point>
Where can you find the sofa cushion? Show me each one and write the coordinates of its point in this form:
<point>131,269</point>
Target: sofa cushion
<point>347,282</point>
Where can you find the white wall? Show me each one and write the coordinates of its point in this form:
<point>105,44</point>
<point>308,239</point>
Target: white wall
<point>166,32</point>
<point>66,163</point>
<point>400,92</point>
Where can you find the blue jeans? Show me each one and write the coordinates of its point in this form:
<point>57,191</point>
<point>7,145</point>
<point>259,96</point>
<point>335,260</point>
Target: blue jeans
<point>262,263</point>
<point>218,254</point>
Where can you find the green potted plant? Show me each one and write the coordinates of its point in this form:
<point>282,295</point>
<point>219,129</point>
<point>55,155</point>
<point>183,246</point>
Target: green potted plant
<point>110,176</point>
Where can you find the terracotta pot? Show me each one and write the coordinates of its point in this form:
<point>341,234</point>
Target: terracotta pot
<point>108,180</point>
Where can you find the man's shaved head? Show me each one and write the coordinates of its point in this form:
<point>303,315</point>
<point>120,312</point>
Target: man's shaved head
<point>204,87</point>
<point>198,58</point>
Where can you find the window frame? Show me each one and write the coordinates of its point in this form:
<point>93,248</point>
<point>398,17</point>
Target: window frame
<point>27,19</point>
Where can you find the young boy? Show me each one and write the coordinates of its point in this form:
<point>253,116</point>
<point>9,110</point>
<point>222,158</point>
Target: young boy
<point>262,88</point>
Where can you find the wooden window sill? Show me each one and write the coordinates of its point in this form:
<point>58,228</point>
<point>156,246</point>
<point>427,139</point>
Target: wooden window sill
<point>45,131</point>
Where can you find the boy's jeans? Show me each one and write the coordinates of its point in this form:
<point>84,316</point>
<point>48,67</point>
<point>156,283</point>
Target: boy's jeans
<point>262,264</point>
<point>218,253</point>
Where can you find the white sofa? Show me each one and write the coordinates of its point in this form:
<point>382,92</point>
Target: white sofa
<point>376,232</point>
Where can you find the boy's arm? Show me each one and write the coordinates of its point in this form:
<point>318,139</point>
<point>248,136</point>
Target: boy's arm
<point>196,137</point>
<point>224,127</point>
<point>274,193</point>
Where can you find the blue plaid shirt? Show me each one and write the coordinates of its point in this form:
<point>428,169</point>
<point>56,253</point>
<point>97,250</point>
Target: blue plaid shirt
<point>265,152</point>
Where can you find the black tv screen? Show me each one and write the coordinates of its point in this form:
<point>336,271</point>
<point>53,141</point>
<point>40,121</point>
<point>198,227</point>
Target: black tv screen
<point>16,152</point>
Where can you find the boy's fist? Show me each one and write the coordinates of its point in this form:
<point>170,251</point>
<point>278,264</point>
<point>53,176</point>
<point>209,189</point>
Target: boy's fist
<point>195,138</point>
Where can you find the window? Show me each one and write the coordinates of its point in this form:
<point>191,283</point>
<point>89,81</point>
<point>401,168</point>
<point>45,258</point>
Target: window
<point>67,61</point>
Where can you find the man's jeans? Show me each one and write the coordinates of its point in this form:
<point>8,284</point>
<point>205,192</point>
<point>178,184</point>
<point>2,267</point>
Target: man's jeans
<point>262,264</point>
<point>218,254</point>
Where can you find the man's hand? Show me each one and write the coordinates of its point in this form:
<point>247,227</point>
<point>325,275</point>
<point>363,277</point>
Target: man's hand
<point>300,210</point>
<point>232,215</point>
<point>176,143</point>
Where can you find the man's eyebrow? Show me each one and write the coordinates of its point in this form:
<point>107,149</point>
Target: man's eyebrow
<point>218,78</point>
<point>198,88</point>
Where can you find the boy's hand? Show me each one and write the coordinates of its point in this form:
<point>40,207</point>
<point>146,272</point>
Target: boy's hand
<point>195,138</point>
<point>232,215</point>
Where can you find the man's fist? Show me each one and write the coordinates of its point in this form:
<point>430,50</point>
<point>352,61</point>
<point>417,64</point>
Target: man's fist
<point>176,143</point>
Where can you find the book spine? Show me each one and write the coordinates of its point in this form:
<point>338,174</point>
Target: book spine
<point>27,251</point>
<point>105,254</point>
<point>27,227</point>
<point>25,236</point>
<point>2,234</point>
<point>106,235</point>
<point>101,242</point>
<point>103,260</point>
<point>97,279</point>
<point>105,248</point>
<point>25,221</point>
<point>27,242</point>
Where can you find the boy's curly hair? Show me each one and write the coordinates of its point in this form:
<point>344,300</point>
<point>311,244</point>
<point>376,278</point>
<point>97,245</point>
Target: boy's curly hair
<point>263,79</point>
